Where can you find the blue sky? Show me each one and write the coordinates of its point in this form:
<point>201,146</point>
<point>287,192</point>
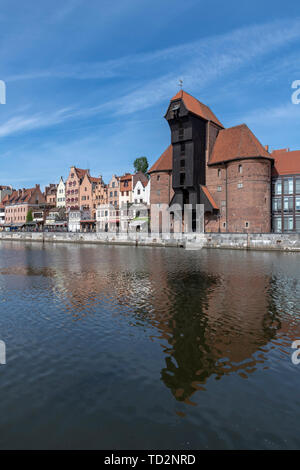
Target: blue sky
<point>88,82</point>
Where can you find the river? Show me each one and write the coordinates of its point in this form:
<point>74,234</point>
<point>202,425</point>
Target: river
<point>117,347</point>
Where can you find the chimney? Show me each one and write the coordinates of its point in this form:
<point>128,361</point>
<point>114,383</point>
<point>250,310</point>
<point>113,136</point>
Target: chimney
<point>37,186</point>
<point>267,148</point>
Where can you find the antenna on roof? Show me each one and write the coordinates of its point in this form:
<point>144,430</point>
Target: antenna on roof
<point>180,84</point>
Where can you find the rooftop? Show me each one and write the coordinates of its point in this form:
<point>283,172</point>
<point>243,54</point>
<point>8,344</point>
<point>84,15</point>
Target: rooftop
<point>237,143</point>
<point>164,163</point>
<point>196,107</point>
<point>286,162</point>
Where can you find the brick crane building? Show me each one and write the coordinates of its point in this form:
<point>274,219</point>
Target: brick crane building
<point>227,170</point>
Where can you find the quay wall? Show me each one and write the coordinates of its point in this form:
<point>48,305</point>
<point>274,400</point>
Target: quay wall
<point>190,241</point>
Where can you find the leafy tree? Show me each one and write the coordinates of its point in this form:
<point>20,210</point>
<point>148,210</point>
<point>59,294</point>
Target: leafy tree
<point>141,164</point>
<point>29,217</point>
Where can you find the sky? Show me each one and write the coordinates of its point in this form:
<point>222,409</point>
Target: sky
<point>88,81</point>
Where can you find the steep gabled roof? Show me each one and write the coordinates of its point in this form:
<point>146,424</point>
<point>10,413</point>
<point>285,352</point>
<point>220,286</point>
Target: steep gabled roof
<point>237,143</point>
<point>196,107</point>
<point>26,195</point>
<point>20,196</point>
<point>165,161</point>
<point>286,162</point>
<point>80,172</point>
<point>139,176</point>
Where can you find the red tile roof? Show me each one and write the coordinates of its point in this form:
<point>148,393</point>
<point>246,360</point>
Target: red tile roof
<point>237,143</point>
<point>125,177</point>
<point>196,107</point>
<point>139,176</point>
<point>209,197</point>
<point>80,173</point>
<point>20,196</point>
<point>286,162</point>
<point>165,161</point>
<point>95,180</point>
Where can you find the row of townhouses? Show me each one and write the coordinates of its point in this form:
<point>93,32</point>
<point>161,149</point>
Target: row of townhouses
<point>81,203</point>
<point>241,184</point>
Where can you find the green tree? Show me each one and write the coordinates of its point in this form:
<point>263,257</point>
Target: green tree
<point>29,217</point>
<point>141,164</point>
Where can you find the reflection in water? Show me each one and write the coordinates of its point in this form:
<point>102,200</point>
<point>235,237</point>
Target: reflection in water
<point>212,313</point>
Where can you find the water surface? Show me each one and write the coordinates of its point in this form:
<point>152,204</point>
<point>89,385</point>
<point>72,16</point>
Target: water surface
<point>112,347</point>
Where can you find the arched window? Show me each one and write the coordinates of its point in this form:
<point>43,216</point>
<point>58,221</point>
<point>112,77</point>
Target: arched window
<point>240,168</point>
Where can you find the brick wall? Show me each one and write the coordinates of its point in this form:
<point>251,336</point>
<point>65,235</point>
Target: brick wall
<point>161,187</point>
<point>249,196</point>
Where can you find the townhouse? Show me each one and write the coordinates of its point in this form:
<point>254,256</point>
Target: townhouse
<point>20,203</point>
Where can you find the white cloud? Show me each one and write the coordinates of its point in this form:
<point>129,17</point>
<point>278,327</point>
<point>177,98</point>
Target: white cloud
<point>198,63</point>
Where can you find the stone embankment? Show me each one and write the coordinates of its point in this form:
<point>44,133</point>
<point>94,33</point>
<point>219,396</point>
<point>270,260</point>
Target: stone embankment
<point>190,241</point>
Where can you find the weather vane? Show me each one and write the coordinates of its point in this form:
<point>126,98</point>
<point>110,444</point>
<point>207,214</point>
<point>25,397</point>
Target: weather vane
<point>180,84</point>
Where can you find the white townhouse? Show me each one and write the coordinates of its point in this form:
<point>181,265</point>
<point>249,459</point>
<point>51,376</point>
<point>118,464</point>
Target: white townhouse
<point>61,194</point>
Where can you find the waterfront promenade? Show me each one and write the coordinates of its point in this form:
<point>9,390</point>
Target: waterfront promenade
<point>242,241</point>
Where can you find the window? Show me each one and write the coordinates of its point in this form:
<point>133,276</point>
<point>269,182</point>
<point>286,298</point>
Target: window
<point>288,186</point>
<point>182,164</point>
<point>288,204</point>
<point>297,201</point>
<point>180,131</point>
<point>182,179</point>
<point>288,223</point>
<point>113,184</point>
<point>182,148</point>
<point>158,177</point>
<point>277,206</point>
<point>240,168</point>
<point>240,185</point>
<point>139,191</point>
<point>158,192</point>
<point>219,188</point>
<point>247,225</point>
<point>219,173</point>
<point>297,184</point>
<point>277,187</point>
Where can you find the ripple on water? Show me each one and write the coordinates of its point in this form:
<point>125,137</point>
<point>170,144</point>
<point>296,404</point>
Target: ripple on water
<point>111,347</point>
